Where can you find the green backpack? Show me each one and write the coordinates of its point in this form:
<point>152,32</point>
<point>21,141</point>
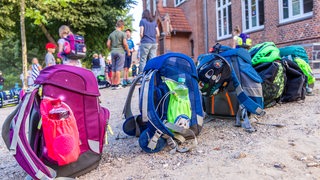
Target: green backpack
<point>264,52</point>
<point>306,69</point>
<point>294,51</point>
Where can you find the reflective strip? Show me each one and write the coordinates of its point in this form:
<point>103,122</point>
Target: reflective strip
<point>94,145</point>
<point>260,111</point>
<point>145,96</point>
<point>200,120</point>
<point>239,90</point>
<point>154,140</point>
<point>39,174</point>
<point>17,125</point>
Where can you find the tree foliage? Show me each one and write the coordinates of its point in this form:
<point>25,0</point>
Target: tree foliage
<point>94,19</point>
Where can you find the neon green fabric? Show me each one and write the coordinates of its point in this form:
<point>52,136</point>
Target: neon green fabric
<point>306,69</point>
<point>264,52</point>
<point>177,106</point>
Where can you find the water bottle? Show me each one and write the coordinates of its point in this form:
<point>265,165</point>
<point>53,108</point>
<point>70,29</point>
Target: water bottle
<point>181,89</point>
<point>58,112</point>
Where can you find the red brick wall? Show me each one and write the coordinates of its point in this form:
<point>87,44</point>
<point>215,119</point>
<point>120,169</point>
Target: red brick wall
<point>193,10</point>
<point>180,43</point>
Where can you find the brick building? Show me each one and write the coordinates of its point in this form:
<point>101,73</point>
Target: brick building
<point>192,26</point>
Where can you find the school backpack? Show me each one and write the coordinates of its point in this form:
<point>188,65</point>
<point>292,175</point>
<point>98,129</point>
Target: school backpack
<point>306,69</point>
<point>274,79</point>
<point>264,52</point>
<point>245,86</point>
<point>68,147</point>
<point>74,47</point>
<point>295,88</point>
<point>102,82</point>
<point>10,97</point>
<point>244,41</point>
<point>291,52</point>
<point>152,124</point>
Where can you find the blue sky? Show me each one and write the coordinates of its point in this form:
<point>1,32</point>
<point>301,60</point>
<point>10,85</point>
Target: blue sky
<point>136,11</point>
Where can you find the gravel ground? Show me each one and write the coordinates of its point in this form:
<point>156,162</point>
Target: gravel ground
<point>224,151</point>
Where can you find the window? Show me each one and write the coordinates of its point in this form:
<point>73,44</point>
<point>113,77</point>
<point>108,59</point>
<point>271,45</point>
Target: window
<point>291,10</point>
<point>252,15</point>
<point>178,2</point>
<point>224,19</point>
<point>164,3</point>
<point>154,7</point>
<point>148,5</point>
<point>192,47</point>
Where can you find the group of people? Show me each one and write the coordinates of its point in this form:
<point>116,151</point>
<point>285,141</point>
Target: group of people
<point>121,46</point>
<point>119,43</point>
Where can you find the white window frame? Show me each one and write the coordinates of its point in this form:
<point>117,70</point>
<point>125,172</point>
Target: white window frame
<point>148,5</point>
<point>179,2</point>
<point>222,6</point>
<point>164,3</point>
<point>292,17</point>
<point>154,8</point>
<point>250,29</point>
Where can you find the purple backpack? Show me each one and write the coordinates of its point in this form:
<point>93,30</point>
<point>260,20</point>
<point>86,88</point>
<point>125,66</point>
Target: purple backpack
<point>74,47</point>
<point>22,130</point>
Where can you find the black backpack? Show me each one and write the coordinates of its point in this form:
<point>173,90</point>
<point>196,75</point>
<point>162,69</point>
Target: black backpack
<point>274,78</point>
<point>295,88</point>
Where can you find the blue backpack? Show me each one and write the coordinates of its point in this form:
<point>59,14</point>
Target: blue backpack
<point>151,123</point>
<point>245,84</point>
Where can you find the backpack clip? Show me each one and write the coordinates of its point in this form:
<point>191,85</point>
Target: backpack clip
<point>154,140</point>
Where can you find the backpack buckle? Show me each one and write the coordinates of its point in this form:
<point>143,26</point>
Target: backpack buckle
<point>154,140</point>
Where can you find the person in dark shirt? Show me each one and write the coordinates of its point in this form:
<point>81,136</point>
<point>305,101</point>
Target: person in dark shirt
<point>1,81</point>
<point>96,68</point>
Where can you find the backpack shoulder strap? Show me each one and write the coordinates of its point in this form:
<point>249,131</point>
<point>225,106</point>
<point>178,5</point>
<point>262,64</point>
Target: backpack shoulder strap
<point>19,146</point>
<point>127,112</point>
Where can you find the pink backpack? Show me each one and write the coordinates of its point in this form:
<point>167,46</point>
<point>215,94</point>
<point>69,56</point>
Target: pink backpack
<point>23,134</point>
<point>74,47</point>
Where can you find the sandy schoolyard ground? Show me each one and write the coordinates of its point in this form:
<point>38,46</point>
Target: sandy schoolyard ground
<point>224,151</point>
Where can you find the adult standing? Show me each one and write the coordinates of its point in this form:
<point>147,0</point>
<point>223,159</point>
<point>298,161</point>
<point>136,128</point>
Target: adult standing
<point>148,32</point>
<point>117,43</point>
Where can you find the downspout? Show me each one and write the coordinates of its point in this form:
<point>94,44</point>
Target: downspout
<point>205,24</point>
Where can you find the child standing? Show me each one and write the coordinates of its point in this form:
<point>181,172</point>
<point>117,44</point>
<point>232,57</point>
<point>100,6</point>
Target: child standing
<point>36,68</point>
<point>1,81</point>
<point>49,59</point>
<point>30,80</point>
<point>64,31</point>
<point>134,69</point>
<point>117,43</point>
<point>108,72</point>
<point>127,62</point>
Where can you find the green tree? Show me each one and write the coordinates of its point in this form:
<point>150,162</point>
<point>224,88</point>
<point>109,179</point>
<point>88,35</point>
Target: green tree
<point>95,19</point>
